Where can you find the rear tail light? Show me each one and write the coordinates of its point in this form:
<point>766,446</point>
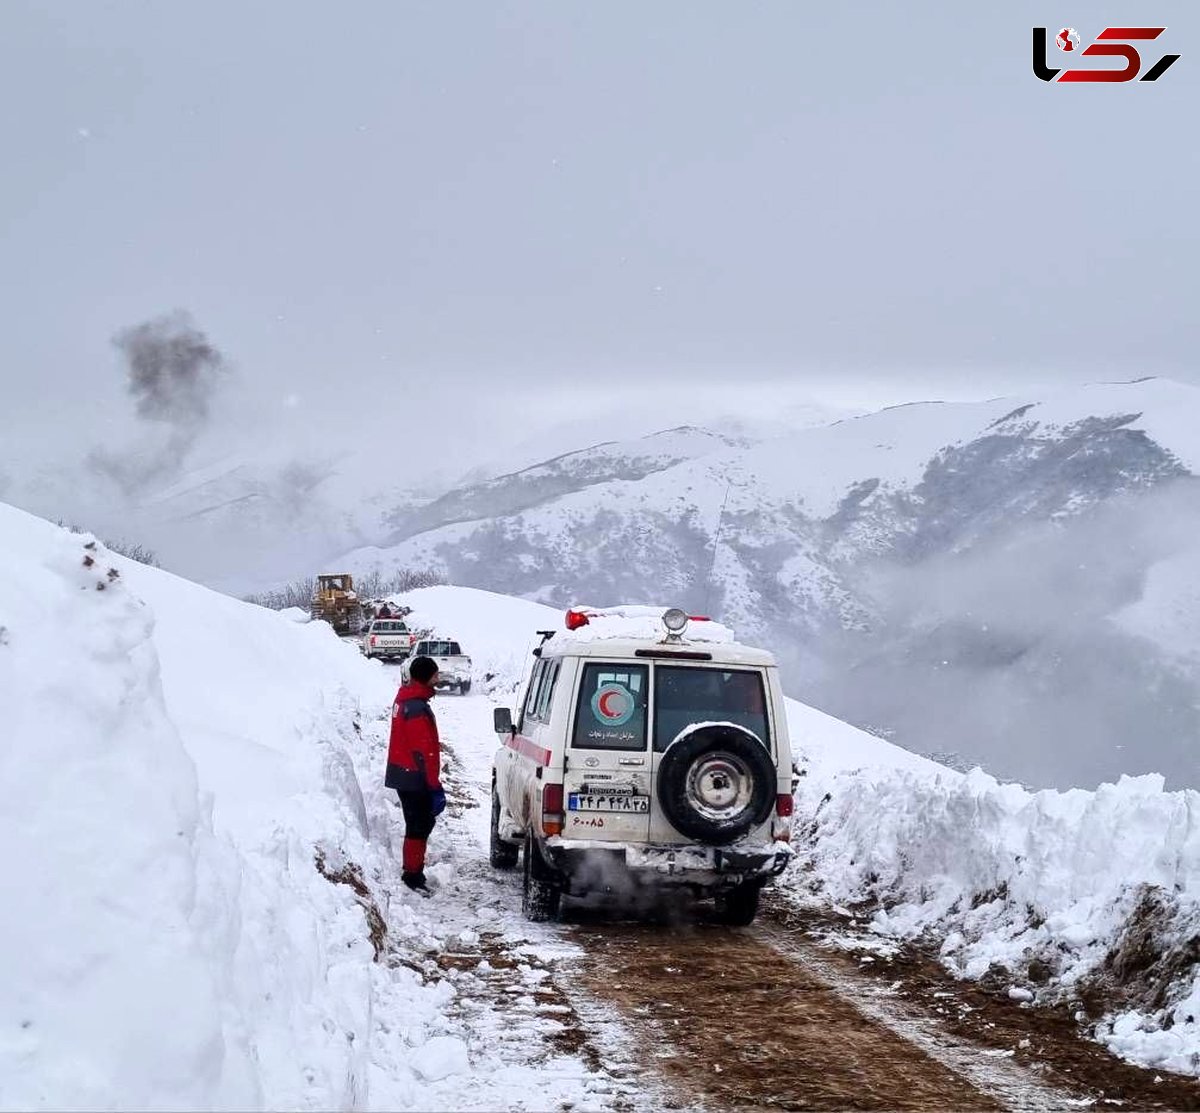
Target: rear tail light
<point>552,809</point>
<point>372,639</point>
<point>782,827</point>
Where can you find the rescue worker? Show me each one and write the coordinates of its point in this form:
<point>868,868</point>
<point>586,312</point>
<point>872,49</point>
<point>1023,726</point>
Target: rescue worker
<point>414,766</point>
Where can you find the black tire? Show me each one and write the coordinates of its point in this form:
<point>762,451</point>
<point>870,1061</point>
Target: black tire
<point>541,898</point>
<point>464,687</point>
<point>697,775</point>
<point>502,854</point>
<point>739,906</point>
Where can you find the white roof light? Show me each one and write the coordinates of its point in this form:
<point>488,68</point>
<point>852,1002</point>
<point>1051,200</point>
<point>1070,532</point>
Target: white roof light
<point>675,620</point>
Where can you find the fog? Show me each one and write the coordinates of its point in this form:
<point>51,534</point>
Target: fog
<point>1016,653</point>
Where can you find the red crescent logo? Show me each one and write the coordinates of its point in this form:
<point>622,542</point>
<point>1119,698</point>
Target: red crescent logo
<point>605,710</point>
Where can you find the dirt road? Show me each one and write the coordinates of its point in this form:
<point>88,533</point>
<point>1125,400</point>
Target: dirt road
<point>768,1018</point>
<point>732,1021</point>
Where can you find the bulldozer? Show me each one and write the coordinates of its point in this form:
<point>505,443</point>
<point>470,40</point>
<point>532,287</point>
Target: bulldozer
<point>336,602</point>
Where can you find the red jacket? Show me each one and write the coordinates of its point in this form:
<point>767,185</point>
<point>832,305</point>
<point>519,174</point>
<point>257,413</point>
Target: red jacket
<point>414,752</point>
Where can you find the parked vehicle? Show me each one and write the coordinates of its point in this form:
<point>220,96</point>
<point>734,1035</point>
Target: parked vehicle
<point>388,638</point>
<point>666,759</point>
<point>454,666</point>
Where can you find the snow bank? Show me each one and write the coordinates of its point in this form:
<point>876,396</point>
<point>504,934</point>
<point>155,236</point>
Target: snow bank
<point>173,758</point>
<point>114,976</point>
<point>1058,890</point>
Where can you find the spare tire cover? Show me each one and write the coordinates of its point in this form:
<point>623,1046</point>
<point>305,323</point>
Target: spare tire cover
<point>716,782</point>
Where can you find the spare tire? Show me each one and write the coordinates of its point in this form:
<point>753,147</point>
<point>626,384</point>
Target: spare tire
<point>716,782</point>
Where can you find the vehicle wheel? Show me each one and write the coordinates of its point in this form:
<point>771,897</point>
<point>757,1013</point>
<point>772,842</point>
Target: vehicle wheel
<point>464,687</point>
<point>542,897</point>
<point>502,854</point>
<point>716,783</point>
<point>739,906</point>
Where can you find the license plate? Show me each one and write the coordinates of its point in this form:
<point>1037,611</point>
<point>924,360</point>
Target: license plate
<point>670,860</point>
<point>607,802</point>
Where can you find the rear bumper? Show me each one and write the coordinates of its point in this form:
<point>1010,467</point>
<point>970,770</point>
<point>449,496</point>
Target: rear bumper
<point>386,651</point>
<point>587,865</point>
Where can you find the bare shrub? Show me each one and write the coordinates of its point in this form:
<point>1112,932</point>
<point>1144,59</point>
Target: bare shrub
<point>132,550</point>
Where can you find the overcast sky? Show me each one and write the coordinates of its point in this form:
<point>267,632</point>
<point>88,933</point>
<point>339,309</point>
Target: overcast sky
<point>461,205</point>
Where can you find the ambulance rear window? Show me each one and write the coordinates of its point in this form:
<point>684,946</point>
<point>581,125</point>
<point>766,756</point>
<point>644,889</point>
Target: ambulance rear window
<point>683,696</point>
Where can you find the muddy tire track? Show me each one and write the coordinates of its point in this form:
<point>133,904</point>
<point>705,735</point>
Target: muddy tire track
<point>909,981</point>
<point>774,1017</point>
<point>733,1022</point>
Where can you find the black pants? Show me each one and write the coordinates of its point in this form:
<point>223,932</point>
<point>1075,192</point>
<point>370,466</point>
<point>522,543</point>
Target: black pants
<point>418,813</point>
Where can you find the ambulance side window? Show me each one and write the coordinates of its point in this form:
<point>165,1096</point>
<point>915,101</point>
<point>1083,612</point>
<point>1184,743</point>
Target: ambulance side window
<point>541,709</point>
<point>531,694</point>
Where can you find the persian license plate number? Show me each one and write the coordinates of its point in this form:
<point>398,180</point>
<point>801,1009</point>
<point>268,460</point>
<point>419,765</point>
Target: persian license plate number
<point>607,802</point>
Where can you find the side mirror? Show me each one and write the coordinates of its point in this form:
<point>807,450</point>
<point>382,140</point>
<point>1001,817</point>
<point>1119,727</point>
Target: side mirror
<point>502,720</point>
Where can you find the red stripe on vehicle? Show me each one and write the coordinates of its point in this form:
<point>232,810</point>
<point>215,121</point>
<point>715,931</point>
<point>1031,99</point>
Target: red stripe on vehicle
<point>528,748</point>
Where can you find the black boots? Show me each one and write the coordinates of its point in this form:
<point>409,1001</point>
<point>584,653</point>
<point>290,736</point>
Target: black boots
<point>415,881</point>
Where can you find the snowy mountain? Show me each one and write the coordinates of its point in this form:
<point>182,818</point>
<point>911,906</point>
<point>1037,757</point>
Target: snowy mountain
<point>573,472</point>
<point>266,513</point>
<point>946,573</point>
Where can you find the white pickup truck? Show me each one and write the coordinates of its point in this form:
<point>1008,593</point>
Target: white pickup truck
<point>388,637</point>
<point>454,666</point>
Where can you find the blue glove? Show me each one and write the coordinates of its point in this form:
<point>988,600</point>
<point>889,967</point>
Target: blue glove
<point>437,800</point>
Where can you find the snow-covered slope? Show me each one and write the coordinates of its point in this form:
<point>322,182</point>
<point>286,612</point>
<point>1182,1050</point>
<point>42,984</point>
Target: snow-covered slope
<point>610,462</point>
<point>946,572</point>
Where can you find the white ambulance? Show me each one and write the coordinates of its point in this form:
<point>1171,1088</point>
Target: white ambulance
<point>651,743</point>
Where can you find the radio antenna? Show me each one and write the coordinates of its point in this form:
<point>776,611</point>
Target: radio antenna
<point>712,568</point>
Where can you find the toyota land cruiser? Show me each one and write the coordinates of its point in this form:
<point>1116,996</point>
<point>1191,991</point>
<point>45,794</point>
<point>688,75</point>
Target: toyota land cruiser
<point>651,743</point>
